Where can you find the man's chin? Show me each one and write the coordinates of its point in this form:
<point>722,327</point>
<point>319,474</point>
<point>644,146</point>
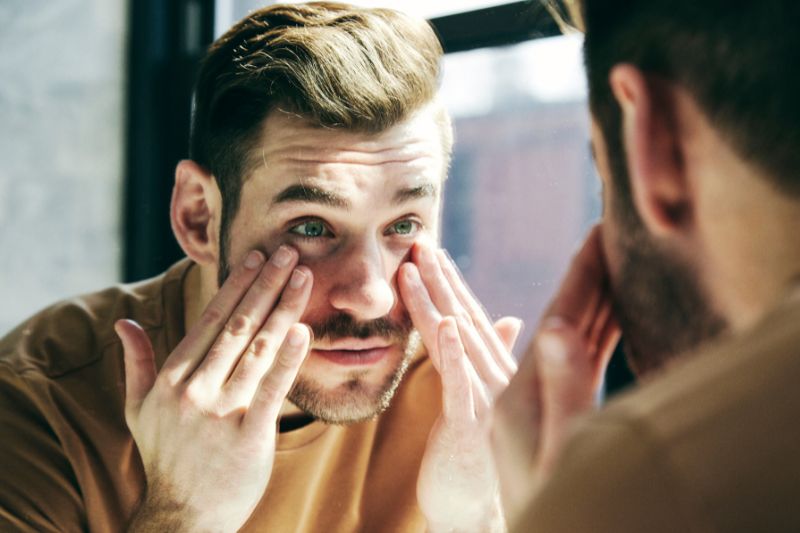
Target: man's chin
<point>354,400</point>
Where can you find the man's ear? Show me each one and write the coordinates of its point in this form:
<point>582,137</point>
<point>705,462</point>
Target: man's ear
<point>659,186</point>
<point>195,212</point>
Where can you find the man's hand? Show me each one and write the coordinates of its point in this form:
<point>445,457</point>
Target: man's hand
<point>205,425</point>
<point>558,379</point>
<point>457,488</point>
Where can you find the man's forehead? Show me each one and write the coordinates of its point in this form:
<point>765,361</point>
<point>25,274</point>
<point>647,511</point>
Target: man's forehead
<point>291,139</point>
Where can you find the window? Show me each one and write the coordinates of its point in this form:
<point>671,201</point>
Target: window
<point>522,190</point>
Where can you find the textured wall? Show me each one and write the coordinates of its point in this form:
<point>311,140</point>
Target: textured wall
<point>61,150</point>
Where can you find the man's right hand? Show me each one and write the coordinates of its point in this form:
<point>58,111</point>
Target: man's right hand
<point>206,424</point>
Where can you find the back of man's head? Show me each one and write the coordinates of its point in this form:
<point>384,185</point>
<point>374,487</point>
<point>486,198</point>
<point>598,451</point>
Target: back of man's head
<point>737,58</point>
<point>338,66</point>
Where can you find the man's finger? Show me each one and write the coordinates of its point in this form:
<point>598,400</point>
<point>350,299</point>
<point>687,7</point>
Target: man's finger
<point>457,395</point>
<point>427,318</point>
<point>423,313</point>
<point>194,346</point>
<point>607,342</point>
<point>140,364</point>
<point>508,329</point>
<point>245,320</point>
<point>568,385</point>
<point>262,416</point>
<point>260,355</point>
<point>485,365</point>
<point>477,314</point>
<point>441,292</point>
<point>578,296</point>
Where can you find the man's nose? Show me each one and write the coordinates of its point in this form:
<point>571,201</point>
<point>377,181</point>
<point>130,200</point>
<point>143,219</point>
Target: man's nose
<point>363,286</point>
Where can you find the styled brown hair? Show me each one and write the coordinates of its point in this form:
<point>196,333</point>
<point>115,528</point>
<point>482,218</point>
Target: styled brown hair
<point>738,59</point>
<point>337,65</point>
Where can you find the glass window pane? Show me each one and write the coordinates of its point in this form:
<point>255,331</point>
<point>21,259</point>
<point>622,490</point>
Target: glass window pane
<point>522,189</point>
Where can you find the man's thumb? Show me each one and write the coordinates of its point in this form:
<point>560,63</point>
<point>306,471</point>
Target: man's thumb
<point>140,365</point>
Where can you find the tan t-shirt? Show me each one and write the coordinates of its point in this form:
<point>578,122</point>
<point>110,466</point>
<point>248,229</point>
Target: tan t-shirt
<point>712,445</point>
<point>68,462</point>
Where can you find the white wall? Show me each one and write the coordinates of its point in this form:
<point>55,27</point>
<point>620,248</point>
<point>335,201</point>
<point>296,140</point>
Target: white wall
<point>62,71</point>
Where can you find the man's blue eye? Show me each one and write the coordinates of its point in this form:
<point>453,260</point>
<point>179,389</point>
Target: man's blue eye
<point>404,227</point>
<point>310,228</point>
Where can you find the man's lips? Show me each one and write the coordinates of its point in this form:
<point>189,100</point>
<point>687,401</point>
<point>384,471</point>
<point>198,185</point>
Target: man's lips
<point>352,343</point>
<point>353,351</point>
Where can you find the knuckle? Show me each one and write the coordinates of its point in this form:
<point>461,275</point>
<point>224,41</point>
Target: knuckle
<point>239,324</point>
<point>164,388</point>
<point>261,345</point>
<point>284,364</point>
<point>292,302</point>
<point>212,317</point>
<point>239,280</point>
<point>267,281</point>
<point>269,394</point>
<point>191,397</point>
<point>464,316</point>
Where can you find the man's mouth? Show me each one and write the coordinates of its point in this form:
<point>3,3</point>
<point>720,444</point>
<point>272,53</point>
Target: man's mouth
<point>352,351</point>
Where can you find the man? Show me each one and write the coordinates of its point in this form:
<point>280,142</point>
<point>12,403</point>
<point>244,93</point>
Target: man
<point>309,213</point>
<point>696,130</point>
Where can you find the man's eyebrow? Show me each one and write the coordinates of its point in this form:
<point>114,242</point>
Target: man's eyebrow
<point>413,193</point>
<point>310,194</point>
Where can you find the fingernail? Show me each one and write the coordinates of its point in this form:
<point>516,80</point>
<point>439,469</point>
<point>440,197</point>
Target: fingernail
<point>282,257</point>
<point>297,279</point>
<point>253,260</point>
<point>294,337</point>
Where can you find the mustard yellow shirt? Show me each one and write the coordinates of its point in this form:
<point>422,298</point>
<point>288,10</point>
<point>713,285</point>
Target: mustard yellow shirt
<point>68,462</point>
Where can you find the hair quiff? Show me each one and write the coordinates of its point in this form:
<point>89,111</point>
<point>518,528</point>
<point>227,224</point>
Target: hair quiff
<point>337,65</point>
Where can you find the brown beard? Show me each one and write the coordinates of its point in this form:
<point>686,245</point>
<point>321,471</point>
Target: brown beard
<point>354,400</point>
<point>660,304</point>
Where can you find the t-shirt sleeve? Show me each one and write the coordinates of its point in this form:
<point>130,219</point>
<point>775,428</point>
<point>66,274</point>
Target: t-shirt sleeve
<point>39,491</point>
<point>611,478</point>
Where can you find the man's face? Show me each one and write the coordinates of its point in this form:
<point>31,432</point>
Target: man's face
<point>659,299</point>
<point>352,204</point>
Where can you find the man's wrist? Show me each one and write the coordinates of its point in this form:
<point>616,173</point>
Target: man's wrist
<point>493,522</point>
<point>159,512</point>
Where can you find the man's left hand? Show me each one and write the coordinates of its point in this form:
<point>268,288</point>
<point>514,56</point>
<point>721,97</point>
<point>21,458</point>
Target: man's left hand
<point>457,488</point>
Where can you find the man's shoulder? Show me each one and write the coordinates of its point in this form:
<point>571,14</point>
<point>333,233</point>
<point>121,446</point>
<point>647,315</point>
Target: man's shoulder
<point>733,381</point>
<point>74,332</point>
<point>710,443</point>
